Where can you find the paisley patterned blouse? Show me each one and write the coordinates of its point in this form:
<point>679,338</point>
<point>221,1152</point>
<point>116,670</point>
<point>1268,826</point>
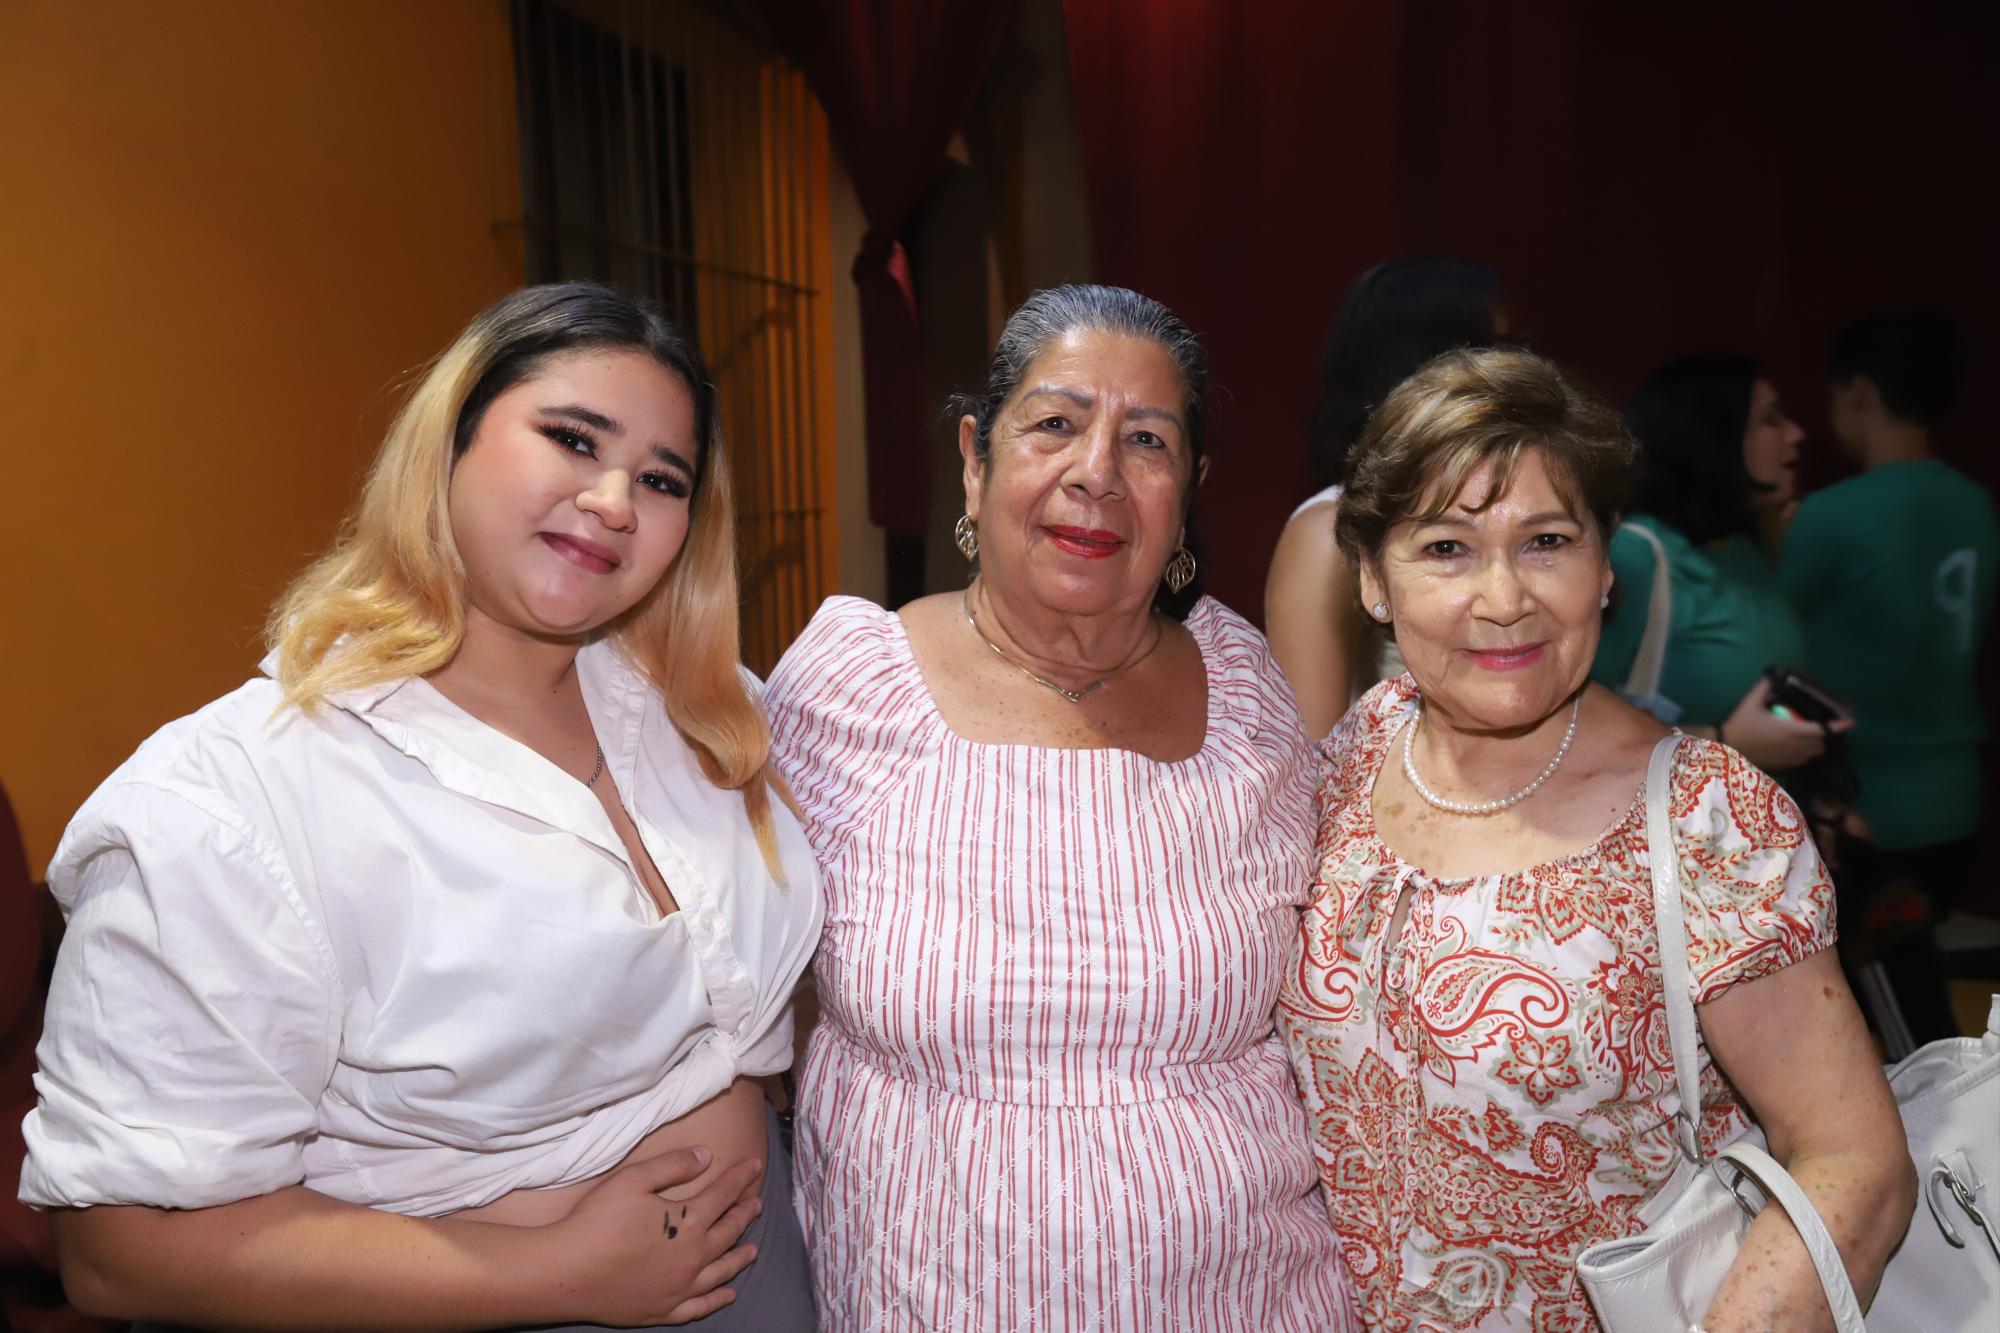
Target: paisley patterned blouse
<point>1492,1093</point>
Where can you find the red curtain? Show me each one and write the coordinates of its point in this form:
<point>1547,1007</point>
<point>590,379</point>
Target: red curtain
<point>1647,180</point>
<point>896,78</point>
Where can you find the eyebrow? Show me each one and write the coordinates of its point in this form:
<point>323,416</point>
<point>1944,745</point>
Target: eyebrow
<point>1085,400</point>
<point>595,420</point>
<point>1532,520</point>
<point>672,459</point>
<point>598,421</point>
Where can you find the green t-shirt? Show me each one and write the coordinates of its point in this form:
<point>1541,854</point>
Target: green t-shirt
<point>1730,621</point>
<point>1892,576</point>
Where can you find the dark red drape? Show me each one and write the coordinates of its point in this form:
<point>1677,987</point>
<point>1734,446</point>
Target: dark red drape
<point>1647,180</point>
<point>895,78</point>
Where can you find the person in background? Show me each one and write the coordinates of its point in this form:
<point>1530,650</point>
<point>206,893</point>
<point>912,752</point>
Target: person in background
<point>1065,821</point>
<point>1397,316</point>
<point>1892,575</point>
<point>1717,461</point>
<point>1474,1008</point>
<point>426,980</point>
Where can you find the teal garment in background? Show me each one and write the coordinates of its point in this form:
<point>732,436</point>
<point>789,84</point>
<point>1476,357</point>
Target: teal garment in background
<point>1755,570</point>
<point>1892,576</point>
<point>1730,620</point>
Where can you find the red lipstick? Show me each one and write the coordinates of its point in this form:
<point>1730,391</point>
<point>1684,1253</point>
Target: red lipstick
<point>1090,543</point>
<point>582,552</point>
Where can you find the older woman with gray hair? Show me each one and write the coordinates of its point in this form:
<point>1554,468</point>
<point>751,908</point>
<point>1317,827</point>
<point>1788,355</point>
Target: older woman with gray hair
<point>1476,1008</point>
<point>1065,821</point>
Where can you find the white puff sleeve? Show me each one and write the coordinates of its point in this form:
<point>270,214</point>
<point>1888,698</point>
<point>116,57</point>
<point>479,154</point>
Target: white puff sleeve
<point>192,1022</point>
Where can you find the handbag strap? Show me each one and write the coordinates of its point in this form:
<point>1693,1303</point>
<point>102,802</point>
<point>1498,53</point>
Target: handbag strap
<point>1683,1034</point>
<point>1651,660</point>
<point>1777,1182</point>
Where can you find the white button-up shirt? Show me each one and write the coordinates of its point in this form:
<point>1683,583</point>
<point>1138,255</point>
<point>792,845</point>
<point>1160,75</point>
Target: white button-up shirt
<point>390,952</point>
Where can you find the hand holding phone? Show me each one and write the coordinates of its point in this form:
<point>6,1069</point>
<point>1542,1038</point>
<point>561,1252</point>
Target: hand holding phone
<point>1794,694</point>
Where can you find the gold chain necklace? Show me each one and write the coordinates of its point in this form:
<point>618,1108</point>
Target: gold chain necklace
<point>1074,696</point>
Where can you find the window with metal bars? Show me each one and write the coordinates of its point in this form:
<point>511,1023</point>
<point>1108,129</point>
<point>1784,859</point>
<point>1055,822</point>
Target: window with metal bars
<point>667,152</point>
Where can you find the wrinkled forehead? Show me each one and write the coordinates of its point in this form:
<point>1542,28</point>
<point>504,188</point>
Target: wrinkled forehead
<point>1473,480</point>
<point>1096,361</point>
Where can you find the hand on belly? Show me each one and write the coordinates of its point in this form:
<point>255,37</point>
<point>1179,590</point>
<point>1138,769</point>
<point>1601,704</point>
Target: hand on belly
<point>730,1125</point>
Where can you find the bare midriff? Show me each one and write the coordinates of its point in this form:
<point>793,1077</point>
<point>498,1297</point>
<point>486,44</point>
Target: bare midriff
<point>730,1125</point>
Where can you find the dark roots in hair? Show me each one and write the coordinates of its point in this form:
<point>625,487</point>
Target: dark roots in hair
<point>536,323</point>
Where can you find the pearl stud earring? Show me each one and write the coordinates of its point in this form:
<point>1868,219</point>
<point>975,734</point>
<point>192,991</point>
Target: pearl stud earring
<point>1381,610</point>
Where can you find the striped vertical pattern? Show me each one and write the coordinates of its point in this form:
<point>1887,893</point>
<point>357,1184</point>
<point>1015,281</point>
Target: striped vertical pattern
<point>1045,1091</point>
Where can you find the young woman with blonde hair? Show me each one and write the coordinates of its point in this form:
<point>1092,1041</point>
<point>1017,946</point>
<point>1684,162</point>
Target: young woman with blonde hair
<point>425,980</point>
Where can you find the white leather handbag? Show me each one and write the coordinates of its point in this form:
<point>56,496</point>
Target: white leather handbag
<point>1946,1275</point>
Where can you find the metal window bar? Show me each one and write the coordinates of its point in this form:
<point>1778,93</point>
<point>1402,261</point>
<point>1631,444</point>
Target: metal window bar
<point>663,152</point>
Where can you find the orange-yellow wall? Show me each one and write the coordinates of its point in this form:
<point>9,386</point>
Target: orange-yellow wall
<point>227,232</point>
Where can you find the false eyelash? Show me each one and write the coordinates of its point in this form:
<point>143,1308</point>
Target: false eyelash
<point>566,437</point>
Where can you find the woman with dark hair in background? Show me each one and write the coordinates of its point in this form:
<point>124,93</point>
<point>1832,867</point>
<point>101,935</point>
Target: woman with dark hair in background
<point>1716,468</point>
<point>1065,819</point>
<point>426,981</point>
<point>1397,316</point>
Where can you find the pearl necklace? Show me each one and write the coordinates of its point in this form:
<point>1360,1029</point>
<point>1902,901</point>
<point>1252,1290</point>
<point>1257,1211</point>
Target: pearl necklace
<point>1494,806</point>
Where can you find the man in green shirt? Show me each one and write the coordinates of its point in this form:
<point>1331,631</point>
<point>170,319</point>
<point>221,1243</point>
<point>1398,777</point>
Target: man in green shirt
<point>1892,575</point>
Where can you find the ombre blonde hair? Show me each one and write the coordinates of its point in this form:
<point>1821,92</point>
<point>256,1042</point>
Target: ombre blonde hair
<point>388,601</point>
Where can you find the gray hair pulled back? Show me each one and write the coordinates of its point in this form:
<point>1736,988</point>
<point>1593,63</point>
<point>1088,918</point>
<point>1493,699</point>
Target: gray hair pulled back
<point>1054,312</point>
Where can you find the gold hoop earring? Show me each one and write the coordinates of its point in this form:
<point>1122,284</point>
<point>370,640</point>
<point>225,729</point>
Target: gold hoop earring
<point>1180,570</point>
<point>965,533</point>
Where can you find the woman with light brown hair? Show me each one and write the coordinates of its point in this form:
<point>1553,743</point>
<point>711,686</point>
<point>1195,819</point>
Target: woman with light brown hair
<point>426,981</point>
<point>1475,1008</point>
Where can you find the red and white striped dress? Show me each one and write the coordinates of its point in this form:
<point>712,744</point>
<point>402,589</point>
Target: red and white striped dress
<point>1044,1092</point>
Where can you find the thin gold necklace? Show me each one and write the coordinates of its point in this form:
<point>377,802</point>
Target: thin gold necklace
<point>1074,696</point>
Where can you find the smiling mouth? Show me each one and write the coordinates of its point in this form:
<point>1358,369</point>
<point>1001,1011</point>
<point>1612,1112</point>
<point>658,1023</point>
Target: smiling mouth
<point>581,552</point>
<point>1090,543</point>
<point>1507,659</point>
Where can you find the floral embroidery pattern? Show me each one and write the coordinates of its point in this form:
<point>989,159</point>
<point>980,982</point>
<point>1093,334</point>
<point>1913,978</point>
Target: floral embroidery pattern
<point>1491,1092</point>
<point>1540,1068</point>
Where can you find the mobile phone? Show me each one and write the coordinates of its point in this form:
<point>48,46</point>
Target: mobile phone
<point>1806,698</point>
